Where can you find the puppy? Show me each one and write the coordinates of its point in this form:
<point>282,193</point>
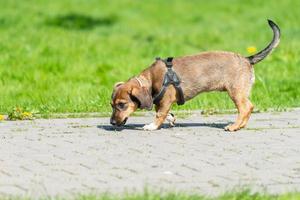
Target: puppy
<point>208,71</point>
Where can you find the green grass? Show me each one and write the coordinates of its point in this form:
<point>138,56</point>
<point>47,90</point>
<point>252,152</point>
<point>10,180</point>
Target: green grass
<point>245,195</point>
<point>65,55</point>
<point>242,195</point>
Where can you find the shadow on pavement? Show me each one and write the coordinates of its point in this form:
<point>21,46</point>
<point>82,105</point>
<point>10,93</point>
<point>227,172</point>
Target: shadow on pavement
<point>165,126</point>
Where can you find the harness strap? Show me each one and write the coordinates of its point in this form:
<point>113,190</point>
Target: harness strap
<point>170,78</point>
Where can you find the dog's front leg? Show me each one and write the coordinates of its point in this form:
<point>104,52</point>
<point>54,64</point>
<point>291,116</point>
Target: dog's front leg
<point>162,111</point>
<point>171,119</point>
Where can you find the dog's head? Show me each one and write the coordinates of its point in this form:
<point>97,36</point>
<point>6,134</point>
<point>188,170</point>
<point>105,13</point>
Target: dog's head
<point>127,98</point>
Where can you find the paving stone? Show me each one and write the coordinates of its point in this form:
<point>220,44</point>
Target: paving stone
<point>50,157</point>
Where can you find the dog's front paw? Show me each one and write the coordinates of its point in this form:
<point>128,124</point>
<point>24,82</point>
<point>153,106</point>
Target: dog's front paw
<point>232,127</point>
<point>171,119</point>
<point>150,127</point>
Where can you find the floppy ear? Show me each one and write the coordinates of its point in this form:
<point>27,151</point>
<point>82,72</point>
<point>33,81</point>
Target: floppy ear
<point>115,87</point>
<point>118,84</point>
<point>143,96</point>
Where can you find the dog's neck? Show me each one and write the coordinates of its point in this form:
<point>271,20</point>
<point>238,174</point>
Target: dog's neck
<point>139,80</point>
<point>143,80</point>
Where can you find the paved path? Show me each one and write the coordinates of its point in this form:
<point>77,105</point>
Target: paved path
<point>69,156</point>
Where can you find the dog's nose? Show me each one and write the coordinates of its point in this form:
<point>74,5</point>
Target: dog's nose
<point>112,121</point>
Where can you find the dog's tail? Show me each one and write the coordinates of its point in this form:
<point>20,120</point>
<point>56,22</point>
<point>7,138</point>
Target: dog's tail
<point>266,51</point>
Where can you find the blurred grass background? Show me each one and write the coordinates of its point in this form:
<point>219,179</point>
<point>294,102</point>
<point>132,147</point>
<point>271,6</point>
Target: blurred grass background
<point>64,56</point>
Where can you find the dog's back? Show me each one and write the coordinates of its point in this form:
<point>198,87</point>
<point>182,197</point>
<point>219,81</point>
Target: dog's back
<point>211,71</point>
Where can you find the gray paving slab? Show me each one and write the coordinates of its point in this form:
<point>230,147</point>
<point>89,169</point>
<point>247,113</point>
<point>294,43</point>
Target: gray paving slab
<point>49,157</point>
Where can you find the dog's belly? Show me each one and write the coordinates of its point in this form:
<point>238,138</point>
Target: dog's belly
<point>192,91</point>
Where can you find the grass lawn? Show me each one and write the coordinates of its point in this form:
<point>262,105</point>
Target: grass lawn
<point>65,55</point>
<point>180,196</point>
<point>243,195</point>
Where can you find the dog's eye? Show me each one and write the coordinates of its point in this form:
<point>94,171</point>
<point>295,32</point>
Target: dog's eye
<point>121,105</point>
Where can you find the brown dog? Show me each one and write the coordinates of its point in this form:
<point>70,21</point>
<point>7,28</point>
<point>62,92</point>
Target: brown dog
<point>208,71</point>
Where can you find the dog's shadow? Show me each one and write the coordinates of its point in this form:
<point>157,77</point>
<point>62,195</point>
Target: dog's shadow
<point>164,126</point>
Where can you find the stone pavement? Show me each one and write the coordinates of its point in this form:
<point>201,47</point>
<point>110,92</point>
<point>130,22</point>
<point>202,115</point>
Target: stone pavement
<point>48,157</point>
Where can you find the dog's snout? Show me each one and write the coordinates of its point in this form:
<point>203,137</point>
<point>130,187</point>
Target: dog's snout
<point>112,121</point>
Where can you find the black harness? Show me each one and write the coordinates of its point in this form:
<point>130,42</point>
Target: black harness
<point>170,78</point>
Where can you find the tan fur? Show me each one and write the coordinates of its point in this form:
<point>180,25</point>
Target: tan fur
<point>208,71</point>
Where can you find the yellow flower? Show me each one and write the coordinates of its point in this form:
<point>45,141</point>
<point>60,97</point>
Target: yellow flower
<point>1,117</point>
<point>251,49</point>
<point>26,115</point>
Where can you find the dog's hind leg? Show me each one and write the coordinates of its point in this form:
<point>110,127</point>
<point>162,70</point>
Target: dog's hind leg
<point>244,107</point>
<point>250,108</point>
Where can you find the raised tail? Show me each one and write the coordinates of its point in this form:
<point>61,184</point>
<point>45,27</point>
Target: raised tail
<point>266,51</point>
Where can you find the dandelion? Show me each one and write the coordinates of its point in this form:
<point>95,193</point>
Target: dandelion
<point>1,117</point>
<point>27,115</point>
<point>18,114</point>
<point>251,49</point>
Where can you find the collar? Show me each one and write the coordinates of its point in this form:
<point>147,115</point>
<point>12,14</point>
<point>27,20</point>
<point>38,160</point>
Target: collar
<point>139,81</point>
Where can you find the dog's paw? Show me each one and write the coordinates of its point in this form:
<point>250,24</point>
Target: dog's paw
<point>171,119</point>
<point>150,127</point>
<point>232,127</point>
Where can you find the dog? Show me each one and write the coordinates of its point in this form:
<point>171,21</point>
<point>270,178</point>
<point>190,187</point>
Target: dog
<point>204,72</point>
